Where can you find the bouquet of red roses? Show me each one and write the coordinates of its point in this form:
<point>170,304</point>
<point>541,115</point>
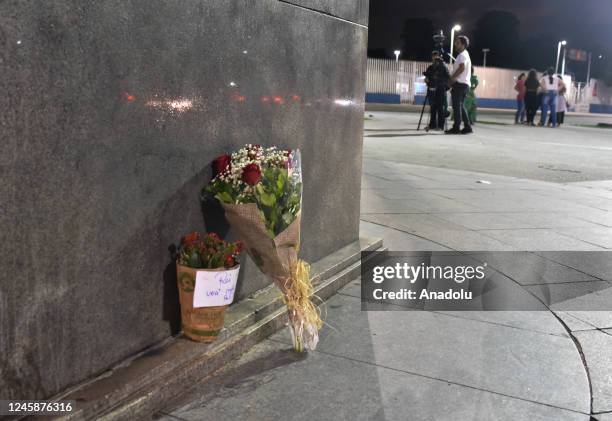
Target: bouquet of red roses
<point>260,190</point>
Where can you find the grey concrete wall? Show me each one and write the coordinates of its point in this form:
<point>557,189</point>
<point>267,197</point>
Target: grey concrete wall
<point>110,114</point>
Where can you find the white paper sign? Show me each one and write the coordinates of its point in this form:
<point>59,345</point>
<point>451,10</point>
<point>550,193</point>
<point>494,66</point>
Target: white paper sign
<point>215,288</point>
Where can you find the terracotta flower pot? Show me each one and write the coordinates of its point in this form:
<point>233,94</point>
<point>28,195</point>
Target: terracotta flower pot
<point>201,324</point>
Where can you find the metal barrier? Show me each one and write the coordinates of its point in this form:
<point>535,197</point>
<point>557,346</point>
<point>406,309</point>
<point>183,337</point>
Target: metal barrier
<point>405,78</point>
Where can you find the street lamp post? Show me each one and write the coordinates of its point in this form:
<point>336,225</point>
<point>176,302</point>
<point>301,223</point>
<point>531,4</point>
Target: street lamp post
<point>485,51</point>
<point>452,40</point>
<point>563,65</point>
<point>564,43</point>
<point>397,54</point>
<point>589,69</point>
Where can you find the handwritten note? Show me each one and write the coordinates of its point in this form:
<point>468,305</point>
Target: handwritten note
<point>215,288</point>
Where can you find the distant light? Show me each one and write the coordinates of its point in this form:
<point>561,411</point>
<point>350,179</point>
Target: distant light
<point>233,84</point>
<point>18,42</point>
<point>245,52</point>
<point>563,42</point>
<point>179,104</point>
<point>278,100</point>
<point>457,28</point>
<point>238,98</point>
<point>600,56</point>
<point>343,102</point>
<point>397,52</point>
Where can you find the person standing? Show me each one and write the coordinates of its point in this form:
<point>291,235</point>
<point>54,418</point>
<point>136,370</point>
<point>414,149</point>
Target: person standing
<point>460,84</point>
<point>562,105</point>
<point>470,100</point>
<point>520,99</point>
<point>436,77</point>
<point>550,86</point>
<point>531,96</point>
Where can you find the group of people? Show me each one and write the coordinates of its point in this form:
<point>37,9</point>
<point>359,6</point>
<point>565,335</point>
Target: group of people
<point>461,83</point>
<point>547,93</point>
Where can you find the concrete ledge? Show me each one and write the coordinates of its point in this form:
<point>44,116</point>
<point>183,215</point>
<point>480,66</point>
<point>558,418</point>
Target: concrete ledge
<point>142,385</point>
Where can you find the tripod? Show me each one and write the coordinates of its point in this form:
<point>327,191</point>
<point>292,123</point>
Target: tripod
<point>429,120</point>
<point>422,111</point>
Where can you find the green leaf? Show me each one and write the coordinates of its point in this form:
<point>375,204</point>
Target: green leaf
<point>194,260</point>
<point>267,199</point>
<point>224,197</point>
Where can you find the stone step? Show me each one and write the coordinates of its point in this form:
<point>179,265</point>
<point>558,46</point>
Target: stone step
<point>143,384</point>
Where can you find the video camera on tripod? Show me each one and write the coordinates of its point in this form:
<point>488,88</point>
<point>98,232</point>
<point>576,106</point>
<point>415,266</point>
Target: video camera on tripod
<point>439,39</point>
<point>437,76</point>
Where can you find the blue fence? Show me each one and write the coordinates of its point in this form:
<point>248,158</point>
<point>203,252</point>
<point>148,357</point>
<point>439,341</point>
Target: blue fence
<point>600,109</point>
<point>502,104</point>
<point>372,98</point>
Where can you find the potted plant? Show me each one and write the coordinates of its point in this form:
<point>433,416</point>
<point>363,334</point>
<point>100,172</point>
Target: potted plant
<point>206,270</point>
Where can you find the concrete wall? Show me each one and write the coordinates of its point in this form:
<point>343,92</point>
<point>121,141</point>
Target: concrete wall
<point>111,112</point>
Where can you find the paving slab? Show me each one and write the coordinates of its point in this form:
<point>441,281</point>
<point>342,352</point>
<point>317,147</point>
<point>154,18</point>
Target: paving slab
<point>389,206</point>
<point>601,236</point>
<point>419,224</point>
<point>530,268</point>
<point>484,220</point>
<point>603,417</point>
<point>468,241</point>
<point>535,321</point>
<point>597,349</point>
<point>596,263</point>
<point>597,319</point>
<point>549,219</point>
<point>397,240</point>
<point>271,383</point>
<point>513,362</point>
<point>539,239</point>
<point>576,296</point>
<point>439,231</point>
<point>573,324</point>
<point>597,217</point>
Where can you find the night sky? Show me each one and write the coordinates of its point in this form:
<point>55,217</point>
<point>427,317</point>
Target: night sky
<point>586,24</point>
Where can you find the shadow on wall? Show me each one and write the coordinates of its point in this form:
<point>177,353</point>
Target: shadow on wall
<point>213,217</point>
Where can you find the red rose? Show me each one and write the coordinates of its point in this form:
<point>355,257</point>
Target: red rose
<point>229,262</point>
<point>221,164</point>
<point>251,174</point>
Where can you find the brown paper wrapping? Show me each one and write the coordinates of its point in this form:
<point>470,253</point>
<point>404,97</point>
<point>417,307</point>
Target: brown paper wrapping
<point>201,324</point>
<point>272,256</point>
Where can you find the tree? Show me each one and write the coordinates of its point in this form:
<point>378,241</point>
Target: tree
<point>417,39</point>
<point>498,31</point>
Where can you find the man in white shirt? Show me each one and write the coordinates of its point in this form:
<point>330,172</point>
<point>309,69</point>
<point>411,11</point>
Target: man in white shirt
<point>460,84</point>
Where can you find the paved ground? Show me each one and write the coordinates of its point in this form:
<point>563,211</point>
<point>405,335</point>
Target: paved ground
<point>400,365</point>
<point>571,153</point>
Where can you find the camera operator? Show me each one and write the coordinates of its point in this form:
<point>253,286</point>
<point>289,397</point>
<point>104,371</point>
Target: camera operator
<point>437,77</point>
<point>460,83</point>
